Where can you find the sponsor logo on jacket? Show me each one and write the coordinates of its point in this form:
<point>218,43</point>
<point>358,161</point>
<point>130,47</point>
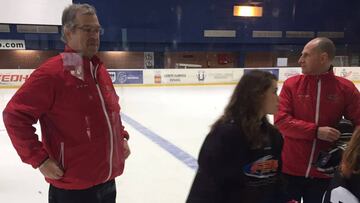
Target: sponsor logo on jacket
<point>262,168</point>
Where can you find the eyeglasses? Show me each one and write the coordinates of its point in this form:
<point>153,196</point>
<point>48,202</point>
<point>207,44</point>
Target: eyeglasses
<point>89,29</point>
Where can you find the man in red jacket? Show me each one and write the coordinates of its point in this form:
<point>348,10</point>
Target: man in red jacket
<point>84,144</point>
<point>311,105</point>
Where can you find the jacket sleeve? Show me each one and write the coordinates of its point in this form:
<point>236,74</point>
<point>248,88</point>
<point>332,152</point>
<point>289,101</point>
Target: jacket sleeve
<point>24,109</point>
<point>352,110</point>
<point>288,125</point>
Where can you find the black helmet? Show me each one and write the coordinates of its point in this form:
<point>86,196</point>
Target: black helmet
<point>328,161</point>
<point>346,129</point>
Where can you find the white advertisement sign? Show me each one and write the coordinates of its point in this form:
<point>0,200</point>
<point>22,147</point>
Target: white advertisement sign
<point>12,44</point>
<point>200,76</point>
<point>35,12</point>
<point>285,73</point>
<point>192,76</point>
<point>350,73</point>
<point>14,77</point>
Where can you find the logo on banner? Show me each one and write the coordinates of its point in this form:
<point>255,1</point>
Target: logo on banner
<point>122,77</point>
<point>126,76</point>
<point>12,44</point>
<point>13,78</point>
<point>112,76</point>
<point>201,75</point>
<point>345,73</point>
<point>157,77</point>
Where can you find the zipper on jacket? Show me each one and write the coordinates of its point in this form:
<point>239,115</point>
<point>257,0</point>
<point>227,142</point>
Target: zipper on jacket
<point>316,121</point>
<point>93,73</point>
<point>61,155</point>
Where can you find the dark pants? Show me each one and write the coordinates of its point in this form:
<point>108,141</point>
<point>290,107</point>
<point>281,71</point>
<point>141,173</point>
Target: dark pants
<point>103,193</point>
<point>310,189</point>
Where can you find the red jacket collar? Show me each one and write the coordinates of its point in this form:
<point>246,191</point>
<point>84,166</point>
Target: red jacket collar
<point>328,74</point>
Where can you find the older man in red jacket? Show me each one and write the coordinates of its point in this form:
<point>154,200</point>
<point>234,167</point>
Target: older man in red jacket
<point>84,144</point>
<point>311,105</point>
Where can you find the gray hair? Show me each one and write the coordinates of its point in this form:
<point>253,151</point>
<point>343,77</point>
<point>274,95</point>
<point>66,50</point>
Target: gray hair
<point>327,46</point>
<point>69,16</point>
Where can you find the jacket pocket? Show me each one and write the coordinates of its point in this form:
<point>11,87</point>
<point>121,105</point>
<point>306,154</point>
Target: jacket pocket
<point>61,156</point>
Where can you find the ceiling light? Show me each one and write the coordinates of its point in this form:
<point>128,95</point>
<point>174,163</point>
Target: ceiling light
<point>248,10</point>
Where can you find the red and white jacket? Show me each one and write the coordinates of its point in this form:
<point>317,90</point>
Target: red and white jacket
<point>306,103</point>
<point>76,104</point>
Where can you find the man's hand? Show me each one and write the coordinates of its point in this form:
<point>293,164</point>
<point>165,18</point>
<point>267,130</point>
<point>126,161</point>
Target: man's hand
<point>328,134</point>
<point>50,169</point>
<point>126,149</point>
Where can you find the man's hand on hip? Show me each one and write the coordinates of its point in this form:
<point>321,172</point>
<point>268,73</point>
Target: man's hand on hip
<point>126,149</point>
<point>50,169</point>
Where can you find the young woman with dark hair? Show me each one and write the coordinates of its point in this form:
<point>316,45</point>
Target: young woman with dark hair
<point>240,158</point>
<point>345,186</point>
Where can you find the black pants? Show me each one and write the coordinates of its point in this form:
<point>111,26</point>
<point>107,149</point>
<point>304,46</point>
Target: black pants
<point>103,193</point>
<point>310,189</point>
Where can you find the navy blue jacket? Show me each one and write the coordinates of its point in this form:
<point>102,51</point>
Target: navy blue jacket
<point>231,171</point>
